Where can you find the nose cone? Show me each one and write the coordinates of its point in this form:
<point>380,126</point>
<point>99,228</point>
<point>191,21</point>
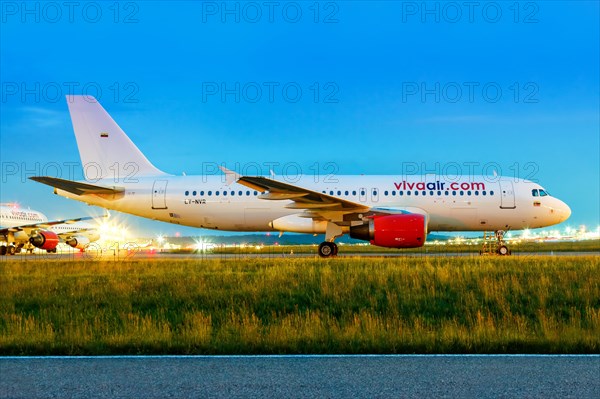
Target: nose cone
<point>564,211</point>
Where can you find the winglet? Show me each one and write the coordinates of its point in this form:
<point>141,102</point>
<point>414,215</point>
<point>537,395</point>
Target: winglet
<point>230,175</point>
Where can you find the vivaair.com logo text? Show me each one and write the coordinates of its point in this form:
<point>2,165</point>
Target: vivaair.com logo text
<point>438,185</point>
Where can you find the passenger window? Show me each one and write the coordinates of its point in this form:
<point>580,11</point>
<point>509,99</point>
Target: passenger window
<point>216,193</point>
<point>224,192</point>
<point>353,192</point>
<point>346,192</point>
<point>491,193</point>
<point>468,193</point>
<point>194,193</point>
<point>385,193</point>
<point>187,193</point>
<point>210,193</point>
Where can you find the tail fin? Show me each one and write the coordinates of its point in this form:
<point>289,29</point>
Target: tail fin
<point>105,150</point>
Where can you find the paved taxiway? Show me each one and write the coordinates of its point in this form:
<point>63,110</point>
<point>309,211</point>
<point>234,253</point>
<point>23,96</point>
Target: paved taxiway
<point>301,377</point>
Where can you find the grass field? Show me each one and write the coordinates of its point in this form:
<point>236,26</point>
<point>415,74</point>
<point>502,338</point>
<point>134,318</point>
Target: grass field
<point>265,306</point>
<point>448,248</point>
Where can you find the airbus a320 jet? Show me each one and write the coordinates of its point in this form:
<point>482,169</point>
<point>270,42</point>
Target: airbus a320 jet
<point>27,229</point>
<point>387,211</point>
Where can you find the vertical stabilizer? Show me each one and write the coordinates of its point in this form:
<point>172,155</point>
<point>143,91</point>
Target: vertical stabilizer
<point>105,150</point>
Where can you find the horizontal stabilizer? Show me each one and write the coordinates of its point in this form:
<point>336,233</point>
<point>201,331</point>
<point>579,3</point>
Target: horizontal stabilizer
<point>77,188</point>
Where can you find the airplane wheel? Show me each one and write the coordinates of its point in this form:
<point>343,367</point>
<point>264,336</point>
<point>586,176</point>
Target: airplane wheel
<point>326,249</point>
<point>503,250</point>
<point>12,250</point>
<point>3,250</point>
<point>335,249</point>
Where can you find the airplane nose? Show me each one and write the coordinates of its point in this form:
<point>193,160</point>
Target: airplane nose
<point>565,211</point>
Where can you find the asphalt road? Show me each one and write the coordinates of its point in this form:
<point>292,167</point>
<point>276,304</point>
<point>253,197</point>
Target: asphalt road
<point>302,377</point>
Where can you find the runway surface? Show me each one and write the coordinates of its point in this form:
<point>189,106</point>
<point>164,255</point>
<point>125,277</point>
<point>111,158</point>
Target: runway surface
<point>301,377</point>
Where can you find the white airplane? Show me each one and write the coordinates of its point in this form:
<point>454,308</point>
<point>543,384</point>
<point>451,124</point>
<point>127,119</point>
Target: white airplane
<point>28,229</point>
<point>387,211</point>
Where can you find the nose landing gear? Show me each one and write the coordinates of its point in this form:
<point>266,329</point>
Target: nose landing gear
<point>494,244</point>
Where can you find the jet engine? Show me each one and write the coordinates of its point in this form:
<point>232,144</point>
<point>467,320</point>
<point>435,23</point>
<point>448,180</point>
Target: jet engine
<point>393,231</point>
<point>79,242</point>
<point>44,239</point>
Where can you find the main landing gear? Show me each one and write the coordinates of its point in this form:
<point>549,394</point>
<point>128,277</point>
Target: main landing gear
<point>9,250</point>
<point>328,248</point>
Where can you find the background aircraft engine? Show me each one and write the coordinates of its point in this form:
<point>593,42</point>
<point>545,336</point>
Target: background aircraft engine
<point>79,242</point>
<point>393,231</point>
<point>44,240</point>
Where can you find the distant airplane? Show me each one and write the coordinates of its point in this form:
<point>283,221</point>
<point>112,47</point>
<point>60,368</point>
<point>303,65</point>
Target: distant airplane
<point>25,229</point>
<point>387,211</point>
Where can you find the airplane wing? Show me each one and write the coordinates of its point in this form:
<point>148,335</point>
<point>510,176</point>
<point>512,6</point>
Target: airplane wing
<point>78,188</point>
<point>317,205</point>
<point>302,198</point>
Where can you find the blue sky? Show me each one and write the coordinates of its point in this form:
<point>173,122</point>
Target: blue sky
<point>399,84</point>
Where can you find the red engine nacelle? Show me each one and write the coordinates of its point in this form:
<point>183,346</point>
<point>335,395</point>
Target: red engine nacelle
<point>393,231</point>
<point>44,239</point>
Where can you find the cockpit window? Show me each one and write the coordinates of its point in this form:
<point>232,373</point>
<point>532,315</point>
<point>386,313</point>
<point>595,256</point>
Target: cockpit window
<point>543,193</point>
<point>534,192</point>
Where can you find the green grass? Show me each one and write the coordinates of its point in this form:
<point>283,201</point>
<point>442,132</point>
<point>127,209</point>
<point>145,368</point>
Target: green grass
<point>266,306</point>
<point>449,248</point>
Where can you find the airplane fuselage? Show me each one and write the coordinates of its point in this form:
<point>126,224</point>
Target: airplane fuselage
<point>476,203</point>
